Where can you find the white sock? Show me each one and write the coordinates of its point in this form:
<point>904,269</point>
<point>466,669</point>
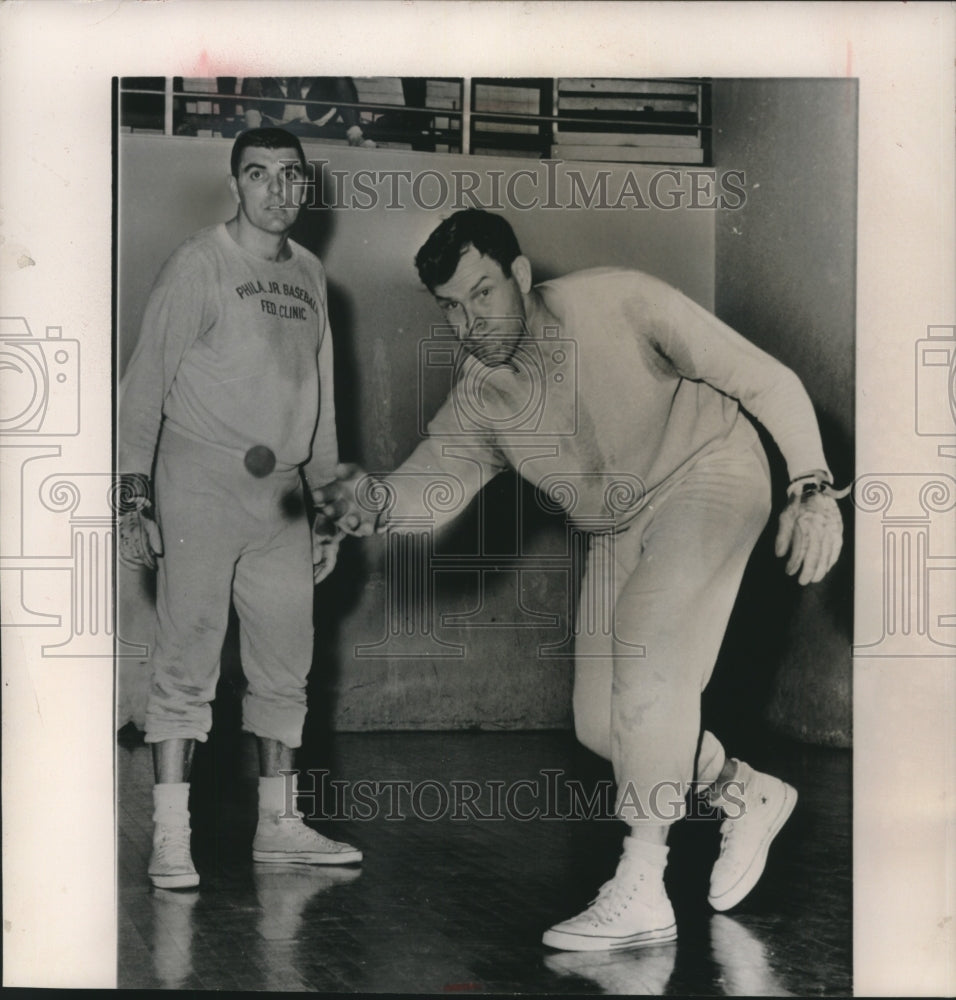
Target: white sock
<point>647,850</point>
<point>277,795</point>
<point>171,803</point>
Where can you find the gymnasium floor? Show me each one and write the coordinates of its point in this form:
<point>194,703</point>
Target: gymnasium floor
<point>444,904</point>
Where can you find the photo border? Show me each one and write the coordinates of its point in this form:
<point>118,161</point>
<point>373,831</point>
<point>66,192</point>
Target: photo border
<point>55,269</point>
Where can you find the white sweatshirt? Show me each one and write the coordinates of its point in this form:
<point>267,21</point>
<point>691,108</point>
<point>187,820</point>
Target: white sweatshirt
<point>234,351</point>
<point>634,386</point>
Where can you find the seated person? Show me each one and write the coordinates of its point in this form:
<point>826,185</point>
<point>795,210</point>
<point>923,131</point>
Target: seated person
<point>311,107</point>
<point>418,126</point>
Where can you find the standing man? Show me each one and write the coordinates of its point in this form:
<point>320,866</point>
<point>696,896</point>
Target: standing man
<point>225,408</point>
<point>649,441</point>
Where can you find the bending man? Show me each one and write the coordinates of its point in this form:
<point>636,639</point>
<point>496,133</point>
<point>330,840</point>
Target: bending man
<point>647,448</point>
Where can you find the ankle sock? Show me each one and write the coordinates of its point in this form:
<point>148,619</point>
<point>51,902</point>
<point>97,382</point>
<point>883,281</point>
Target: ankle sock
<point>171,803</point>
<point>647,850</point>
<point>277,795</point>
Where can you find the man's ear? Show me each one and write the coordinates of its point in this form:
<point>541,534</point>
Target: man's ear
<point>521,272</point>
<point>234,187</point>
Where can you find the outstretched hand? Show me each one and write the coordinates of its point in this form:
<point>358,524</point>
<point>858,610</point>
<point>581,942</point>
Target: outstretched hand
<point>811,532</point>
<point>338,501</point>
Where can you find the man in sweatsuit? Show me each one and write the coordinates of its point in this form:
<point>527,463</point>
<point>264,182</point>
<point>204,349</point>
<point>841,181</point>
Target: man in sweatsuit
<point>225,407</point>
<point>648,449</point>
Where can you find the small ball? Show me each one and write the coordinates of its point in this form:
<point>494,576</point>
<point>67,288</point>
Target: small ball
<point>260,461</point>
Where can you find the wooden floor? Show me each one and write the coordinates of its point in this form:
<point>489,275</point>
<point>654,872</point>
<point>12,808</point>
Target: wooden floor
<point>444,904</point>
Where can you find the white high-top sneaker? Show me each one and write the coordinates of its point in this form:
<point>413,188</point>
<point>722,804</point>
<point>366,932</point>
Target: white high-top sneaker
<point>171,864</point>
<point>758,813</point>
<point>631,909</point>
<point>282,837</point>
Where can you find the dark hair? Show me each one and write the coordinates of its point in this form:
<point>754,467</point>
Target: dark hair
<point>489,234</point>
<point>264,138</point>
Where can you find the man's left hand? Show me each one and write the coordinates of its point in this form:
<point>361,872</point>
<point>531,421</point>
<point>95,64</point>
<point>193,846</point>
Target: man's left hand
<point>811,530</point>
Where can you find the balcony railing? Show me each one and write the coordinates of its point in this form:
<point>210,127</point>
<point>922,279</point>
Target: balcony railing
<point>614,120</point>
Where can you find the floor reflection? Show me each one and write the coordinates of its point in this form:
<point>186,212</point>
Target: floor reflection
<point>284,891</point>
<point>172,943</point>
<point>643,972</point>
<point>743,960</point>
<point>459,906</point>
<point>289,926</point>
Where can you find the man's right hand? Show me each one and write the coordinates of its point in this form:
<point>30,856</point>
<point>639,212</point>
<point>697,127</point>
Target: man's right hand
<point>810,531</point>
<point>339,501</point>
<point>140,541</point>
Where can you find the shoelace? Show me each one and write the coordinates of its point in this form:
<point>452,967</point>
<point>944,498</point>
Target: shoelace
<point>757,797</point>
<point>607,903</point>
<point>307,836</point>
<point>173,844</point>
<point>726,832</point>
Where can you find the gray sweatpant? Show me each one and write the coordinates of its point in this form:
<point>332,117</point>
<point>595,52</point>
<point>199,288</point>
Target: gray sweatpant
<point>229,536</point>
<point>673,577</point>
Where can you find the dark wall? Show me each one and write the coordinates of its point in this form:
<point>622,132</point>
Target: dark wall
<point>785,278</point>
<point>169,187</point>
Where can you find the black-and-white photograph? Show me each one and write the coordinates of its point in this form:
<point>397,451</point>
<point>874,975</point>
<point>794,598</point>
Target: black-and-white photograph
<point>484,450</point>
<point>487,529</point>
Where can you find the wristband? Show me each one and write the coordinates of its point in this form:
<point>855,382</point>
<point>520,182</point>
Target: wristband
<point>806,486</point>
<point>131,492</point>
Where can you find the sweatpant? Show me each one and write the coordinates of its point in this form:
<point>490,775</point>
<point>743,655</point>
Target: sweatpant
<point>673,576</point>
<point>229,536</point>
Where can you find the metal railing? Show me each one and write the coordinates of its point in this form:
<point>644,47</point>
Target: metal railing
<point>466,123</point>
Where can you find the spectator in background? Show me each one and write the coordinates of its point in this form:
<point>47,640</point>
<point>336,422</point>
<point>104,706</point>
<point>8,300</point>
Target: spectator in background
<point>416,125</point>
<point>305,106</point>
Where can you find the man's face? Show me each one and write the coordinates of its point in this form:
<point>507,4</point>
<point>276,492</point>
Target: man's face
<point>487,307</point>
<point>270,188</point>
